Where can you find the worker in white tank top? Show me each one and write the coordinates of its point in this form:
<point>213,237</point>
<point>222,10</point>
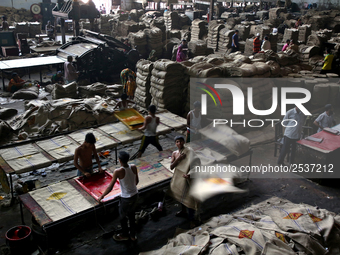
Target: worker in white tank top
<point>128,179</point>
<point>194,119</point>
<point>150,135</point>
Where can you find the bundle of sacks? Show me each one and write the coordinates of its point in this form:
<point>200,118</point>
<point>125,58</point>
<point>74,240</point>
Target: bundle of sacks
<point>291,34</point>
<point>50,117</point>
<point>100,89</point>
<point>142,93</point>
<point>225,39</point>
<point>168,83</point>
<point>198,29</point>
<point>159,23</point>
<point>139,42</point>
<point>136,14</point>
<point>197,47</point>
<point>213,35</point>
<point>243,31</point>
<point>172,20</point>
<point>154,41</point>
<point>104,25</point>
<point>304,31</point>
<point>65,91</point>
<point>274,226</point>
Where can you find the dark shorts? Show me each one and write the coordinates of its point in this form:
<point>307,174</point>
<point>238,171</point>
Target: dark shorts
<point>90,170</point>
<point>146,140</point>
<point>127,206</point>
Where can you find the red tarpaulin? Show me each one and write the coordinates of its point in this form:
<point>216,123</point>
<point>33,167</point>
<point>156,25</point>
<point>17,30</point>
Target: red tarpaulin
<point>97,183</point>
<point>329,143</point>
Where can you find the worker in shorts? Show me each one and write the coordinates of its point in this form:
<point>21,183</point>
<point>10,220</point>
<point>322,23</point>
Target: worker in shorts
<point>128,180</point>
<point>150,125</point>
<point>83,156</point>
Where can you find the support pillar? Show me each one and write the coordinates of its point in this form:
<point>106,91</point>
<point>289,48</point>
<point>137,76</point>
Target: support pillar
<point>211,10</point>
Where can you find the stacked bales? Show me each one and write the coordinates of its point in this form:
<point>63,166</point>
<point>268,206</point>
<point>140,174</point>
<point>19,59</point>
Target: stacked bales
<point>291,34</point>
<point>225,39</point>
<point>139,42</point>
<point>197,48</point>
<point>142,94</point>
<point>306,52</point>
<point>105,25</point>
<point>304,32</point>
<point>172,20</point>
<point>213,34</point>
<point>243,31</point>
<point>154,41</point>
<point>198,29</point>
<point>159,23</point>
<point>168,86</point>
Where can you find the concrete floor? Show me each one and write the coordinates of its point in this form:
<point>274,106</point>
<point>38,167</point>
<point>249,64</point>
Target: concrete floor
<point>88,236</point>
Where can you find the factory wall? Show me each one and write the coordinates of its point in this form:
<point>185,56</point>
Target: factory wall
<point>26,4</point>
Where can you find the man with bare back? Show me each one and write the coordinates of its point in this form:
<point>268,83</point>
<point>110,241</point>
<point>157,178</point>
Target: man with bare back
<point>83,156</point>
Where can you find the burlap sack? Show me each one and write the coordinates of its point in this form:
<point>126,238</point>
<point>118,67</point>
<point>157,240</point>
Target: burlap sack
<point>224,135</point>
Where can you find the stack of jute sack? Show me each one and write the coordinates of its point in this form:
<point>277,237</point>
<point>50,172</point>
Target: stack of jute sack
<point>214,28</point>
<point>306,52</point>
<point>172,20</point>
<point>274,13</point>
<point>225,39</point>
<point>243,31</point>
<point>168,84</point>
<point>65,91</point>
<point>105,25</point>
<point>304,31</point>
<point>198,29</point>
<point>197,47</point>
<point>139,42</point>
<point>142,93</point>
<point>136,14</point>
<point>159,22</point>
<point>291,34</point>
<point>317,39</point>
<point>154,39</point>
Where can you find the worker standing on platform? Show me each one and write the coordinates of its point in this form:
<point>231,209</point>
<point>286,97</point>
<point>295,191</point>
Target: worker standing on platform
<point>83,154</point>
<point>183,160</point>
<point>293,121</point>
<point>325,119</point>
<point>150,125</point>
<point>128,180</point>
<point>71,73</point>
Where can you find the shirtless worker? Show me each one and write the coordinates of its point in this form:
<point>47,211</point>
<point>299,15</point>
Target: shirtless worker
<point>176,158</point>
<point>84,154</point>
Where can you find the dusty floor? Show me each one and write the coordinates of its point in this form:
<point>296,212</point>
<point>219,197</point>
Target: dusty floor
<point>88,236</point>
